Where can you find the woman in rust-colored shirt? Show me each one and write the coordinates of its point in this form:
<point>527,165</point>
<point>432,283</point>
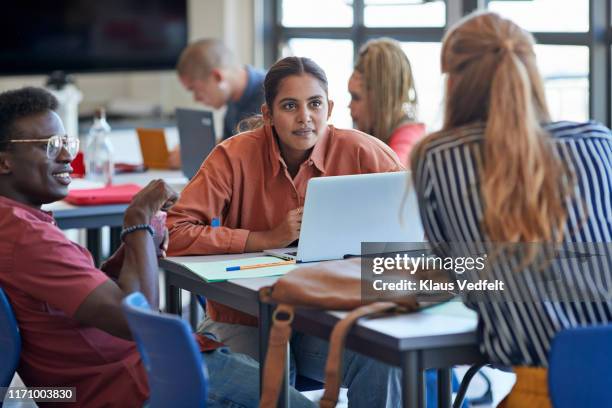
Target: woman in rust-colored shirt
<point>255,184</point>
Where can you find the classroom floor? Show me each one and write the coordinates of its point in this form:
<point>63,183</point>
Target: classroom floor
<point>501,383</point>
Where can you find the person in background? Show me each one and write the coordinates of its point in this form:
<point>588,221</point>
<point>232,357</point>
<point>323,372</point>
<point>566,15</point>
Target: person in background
<point>384,104</point>
<point>255,184</point>
<point>383,96</point>
<point>210,71</point>
<point>500,172</point>
<point>73,330</point>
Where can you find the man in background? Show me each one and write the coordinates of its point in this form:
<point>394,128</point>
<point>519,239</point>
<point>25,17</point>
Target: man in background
<point>209,70</point>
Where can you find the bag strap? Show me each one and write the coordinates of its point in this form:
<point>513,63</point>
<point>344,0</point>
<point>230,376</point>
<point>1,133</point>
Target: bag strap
<point>333,368</point>
<point>276,356</point>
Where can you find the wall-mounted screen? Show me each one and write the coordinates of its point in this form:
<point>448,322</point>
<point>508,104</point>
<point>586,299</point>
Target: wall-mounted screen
<point>38,37</point>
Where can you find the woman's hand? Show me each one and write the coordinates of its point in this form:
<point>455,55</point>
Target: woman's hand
<point>280,236</point>
<point>289,229</point>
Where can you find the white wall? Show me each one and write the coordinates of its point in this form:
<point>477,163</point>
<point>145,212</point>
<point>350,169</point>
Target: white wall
<point>230,20</point>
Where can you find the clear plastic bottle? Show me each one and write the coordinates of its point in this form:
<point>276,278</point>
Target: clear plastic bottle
<point>99,165</point>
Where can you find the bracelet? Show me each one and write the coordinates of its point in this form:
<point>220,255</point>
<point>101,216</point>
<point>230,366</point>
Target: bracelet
<point>129,230</point>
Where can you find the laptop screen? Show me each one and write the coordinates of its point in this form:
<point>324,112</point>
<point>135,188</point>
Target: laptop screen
<point>341,212</point>
<point>197,138</point>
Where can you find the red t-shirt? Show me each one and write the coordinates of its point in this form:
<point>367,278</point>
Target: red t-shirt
<point>47,277</point>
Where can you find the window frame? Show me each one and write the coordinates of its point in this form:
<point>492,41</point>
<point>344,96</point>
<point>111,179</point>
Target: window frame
<point>598,39</point>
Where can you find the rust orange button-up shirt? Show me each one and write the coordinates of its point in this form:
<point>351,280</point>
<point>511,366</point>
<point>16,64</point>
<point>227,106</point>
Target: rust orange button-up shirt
<point>245,183</point>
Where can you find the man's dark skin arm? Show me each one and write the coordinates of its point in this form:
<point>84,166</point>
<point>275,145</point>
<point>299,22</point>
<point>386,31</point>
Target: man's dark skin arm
<point>112,265</point>
<point>102,308</point>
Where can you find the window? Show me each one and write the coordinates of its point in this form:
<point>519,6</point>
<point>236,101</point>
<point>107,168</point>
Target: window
<point>335,57</point>
<point>402,13</point>
<point>574,52</point>
<point>317,13</point>
<point>331,32</point>
<point>565,70</point>
<point>545,15</point>
<point>425,62</point>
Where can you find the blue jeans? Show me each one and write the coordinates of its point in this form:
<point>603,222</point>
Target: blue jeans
<point>234,381</point>
<point>370,383</point>
<point>234,377</point>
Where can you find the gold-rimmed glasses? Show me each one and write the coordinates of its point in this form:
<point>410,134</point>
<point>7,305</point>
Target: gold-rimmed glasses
<point>55,144</point>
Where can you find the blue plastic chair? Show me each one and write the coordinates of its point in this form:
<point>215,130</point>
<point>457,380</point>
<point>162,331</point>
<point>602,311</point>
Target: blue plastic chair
<point>579,373</point>
<point>10,343</point>
<point>175,369</point>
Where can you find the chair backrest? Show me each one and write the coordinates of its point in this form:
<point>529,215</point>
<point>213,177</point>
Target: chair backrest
<point>10,342</point>
<point>579,367</point>
<point>175,369</point>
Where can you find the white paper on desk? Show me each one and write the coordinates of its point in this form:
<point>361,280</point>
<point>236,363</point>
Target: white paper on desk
<point>215,271</point>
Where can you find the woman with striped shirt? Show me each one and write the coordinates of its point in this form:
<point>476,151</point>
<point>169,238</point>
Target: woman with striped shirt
<point>501,173</point>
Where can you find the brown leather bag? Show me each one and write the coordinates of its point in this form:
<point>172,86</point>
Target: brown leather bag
<point>333,285</point>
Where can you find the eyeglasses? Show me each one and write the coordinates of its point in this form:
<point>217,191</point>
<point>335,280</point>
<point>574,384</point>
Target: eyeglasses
<point>55,144</point>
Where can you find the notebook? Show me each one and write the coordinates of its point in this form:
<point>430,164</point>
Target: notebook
<point>153,147</point>
<point>341,212</point>
<point>217,271</point>
<point>115,194</point>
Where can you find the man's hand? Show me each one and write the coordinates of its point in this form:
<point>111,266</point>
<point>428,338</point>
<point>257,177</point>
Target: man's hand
<point>162,247</point>
<point>156,196</point>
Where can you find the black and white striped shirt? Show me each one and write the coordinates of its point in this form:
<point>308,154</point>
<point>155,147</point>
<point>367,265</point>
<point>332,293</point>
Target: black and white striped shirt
<point>447,182</point>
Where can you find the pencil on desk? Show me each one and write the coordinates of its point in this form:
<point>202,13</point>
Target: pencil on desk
<point>263,265</point>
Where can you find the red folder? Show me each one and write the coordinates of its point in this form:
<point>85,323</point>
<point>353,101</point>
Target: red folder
<point>115,194</point>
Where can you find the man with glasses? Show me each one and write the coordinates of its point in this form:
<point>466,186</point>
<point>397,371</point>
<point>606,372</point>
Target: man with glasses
<point>69,312</point>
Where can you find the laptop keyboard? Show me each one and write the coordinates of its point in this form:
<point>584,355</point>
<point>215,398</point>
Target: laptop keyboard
<point>292,253</point>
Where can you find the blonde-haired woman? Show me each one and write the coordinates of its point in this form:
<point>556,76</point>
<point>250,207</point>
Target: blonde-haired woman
<point>500,172</point>
<point>383,97</point>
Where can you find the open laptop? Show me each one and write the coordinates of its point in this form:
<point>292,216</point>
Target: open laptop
<point>341,212</point>
<point>197,138</point>
<point>153,147</point>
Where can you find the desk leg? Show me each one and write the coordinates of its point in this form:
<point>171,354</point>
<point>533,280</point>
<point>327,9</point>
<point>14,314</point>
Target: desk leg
<point>265,324</point>
<point>173,300</point>
<point>445,392</point>
<point>115,239</point>
<point>413,383</point>
<point>194,311</point>
<point>94,244</point>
